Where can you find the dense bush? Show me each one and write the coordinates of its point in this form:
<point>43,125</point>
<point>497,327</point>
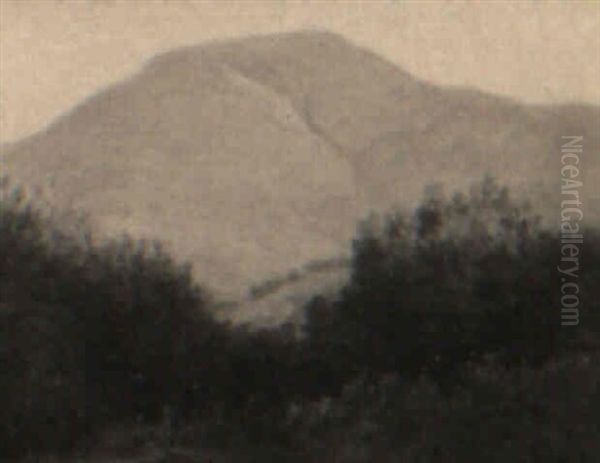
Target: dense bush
<point>461,279</point>
<point>522,414</point>
<point>450,322</point>
<point>91,333</point>
<point>96,333</point>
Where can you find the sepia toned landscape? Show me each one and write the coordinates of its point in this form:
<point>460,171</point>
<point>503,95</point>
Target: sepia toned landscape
<point>287,247</point>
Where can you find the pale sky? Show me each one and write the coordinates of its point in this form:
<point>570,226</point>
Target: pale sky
<point>54,53</point>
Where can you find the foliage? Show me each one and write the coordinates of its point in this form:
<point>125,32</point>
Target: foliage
<point>91,332</point>
<point>449,325</point>
<point>461,279</point>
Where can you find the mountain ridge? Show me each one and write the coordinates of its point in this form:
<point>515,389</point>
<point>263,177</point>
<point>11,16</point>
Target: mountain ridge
<point>254,156</point>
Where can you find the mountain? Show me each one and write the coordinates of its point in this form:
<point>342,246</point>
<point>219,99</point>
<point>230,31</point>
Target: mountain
<point>252,157</point>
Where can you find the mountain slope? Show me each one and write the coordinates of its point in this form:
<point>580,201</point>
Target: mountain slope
<point>255,156</point>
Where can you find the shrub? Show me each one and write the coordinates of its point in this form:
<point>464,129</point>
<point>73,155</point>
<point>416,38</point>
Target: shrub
<point>92,332</point>
<point>461,279</point>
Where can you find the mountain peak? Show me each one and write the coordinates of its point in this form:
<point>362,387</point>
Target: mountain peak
<point>252,156</point>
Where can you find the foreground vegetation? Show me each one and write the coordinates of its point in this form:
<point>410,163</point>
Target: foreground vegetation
<point>445,345</point>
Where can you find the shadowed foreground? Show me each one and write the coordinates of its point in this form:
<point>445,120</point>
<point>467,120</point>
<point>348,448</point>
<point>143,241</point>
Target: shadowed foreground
<point>444,345</point>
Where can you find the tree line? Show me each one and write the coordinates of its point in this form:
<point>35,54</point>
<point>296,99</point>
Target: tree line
<point>93,334</point>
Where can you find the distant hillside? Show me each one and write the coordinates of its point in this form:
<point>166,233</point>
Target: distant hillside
<point>255,156</point>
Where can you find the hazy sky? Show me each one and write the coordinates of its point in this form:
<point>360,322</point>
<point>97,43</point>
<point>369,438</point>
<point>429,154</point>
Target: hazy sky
<point>54,53</point>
